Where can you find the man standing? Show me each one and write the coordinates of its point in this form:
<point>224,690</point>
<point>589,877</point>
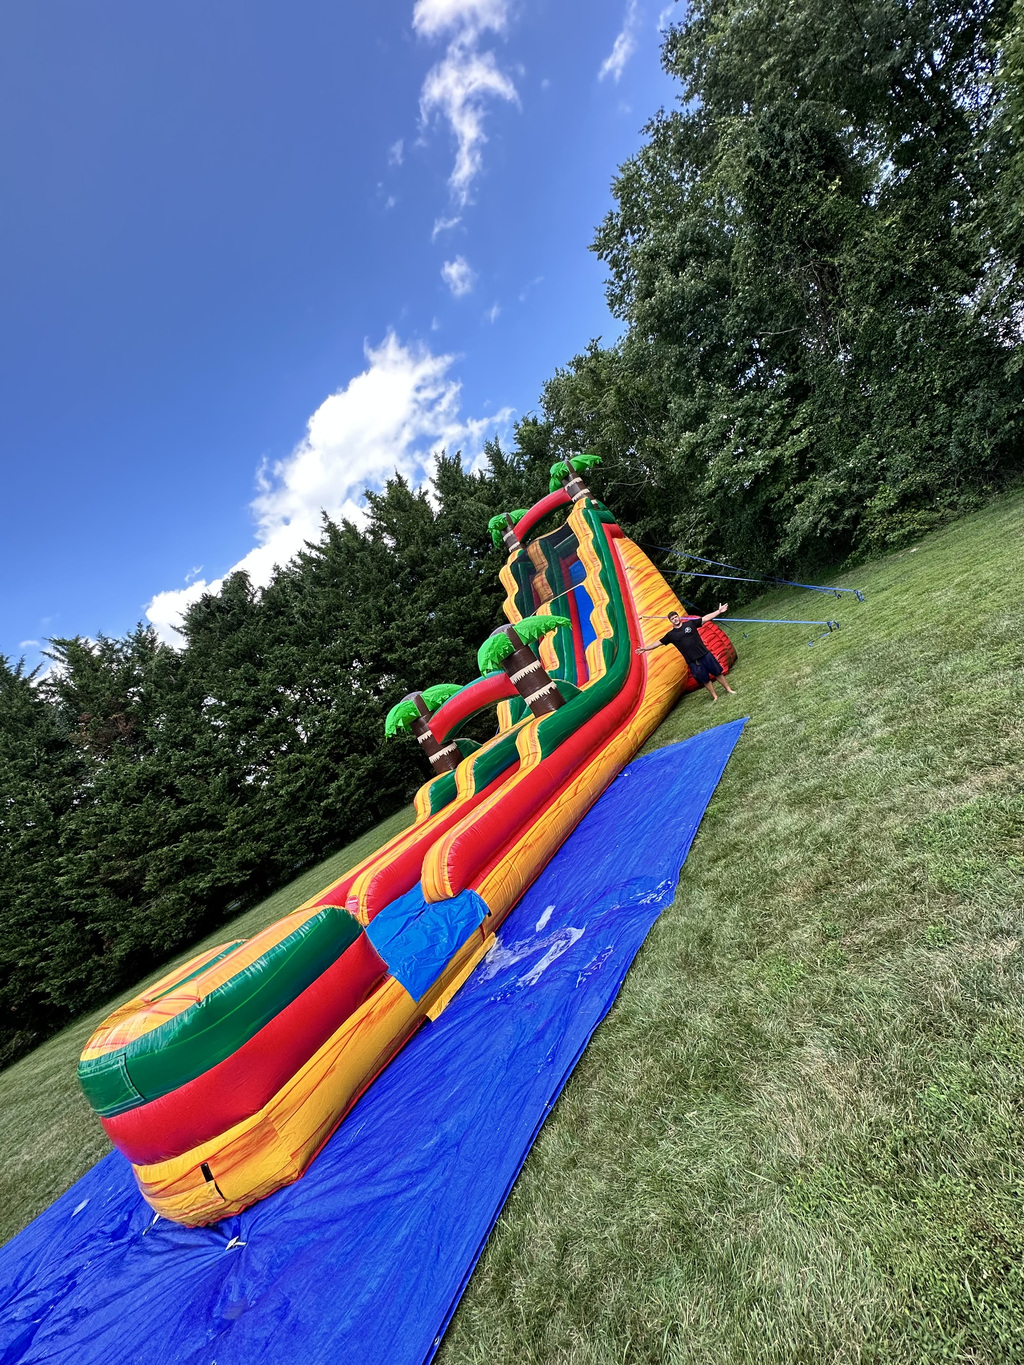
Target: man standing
<point>685,635</point>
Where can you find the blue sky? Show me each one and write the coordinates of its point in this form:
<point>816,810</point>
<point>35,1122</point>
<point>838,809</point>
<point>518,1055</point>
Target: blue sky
<point>255,256</point>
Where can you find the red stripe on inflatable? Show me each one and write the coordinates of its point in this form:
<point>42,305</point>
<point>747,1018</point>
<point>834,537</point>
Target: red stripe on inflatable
<point>476,851</point>
<point>579,651</point>
<point>401,873</point>
<point>243,1083</point>
<point>539,511</point>
<point>338,895</point>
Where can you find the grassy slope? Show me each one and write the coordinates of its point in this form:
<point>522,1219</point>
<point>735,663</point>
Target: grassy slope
<point>796,1137</point>
<point>48,1134</point>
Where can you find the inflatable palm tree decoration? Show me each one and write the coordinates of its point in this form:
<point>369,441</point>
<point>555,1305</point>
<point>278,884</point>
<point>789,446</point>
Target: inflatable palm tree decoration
<point>509,648</point>
<point>413,714</point>
<point>565,474</point>
<point>500,528</point>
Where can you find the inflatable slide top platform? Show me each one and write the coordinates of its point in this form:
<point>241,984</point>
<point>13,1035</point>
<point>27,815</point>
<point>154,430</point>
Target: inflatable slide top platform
<point>223,1079</point>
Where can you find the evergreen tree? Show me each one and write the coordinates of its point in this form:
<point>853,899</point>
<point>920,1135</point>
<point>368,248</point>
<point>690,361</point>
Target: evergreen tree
<point>40,776</point>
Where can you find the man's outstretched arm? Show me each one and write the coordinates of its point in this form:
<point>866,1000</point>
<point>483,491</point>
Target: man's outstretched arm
<point>646,649</point>
<point>722,607</point>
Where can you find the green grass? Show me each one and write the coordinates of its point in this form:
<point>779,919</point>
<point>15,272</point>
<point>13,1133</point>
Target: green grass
<point>48,1134</point>
<point>797,1137</point>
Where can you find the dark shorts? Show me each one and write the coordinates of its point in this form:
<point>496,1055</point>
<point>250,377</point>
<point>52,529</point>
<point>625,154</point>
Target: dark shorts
<point>705,669</point>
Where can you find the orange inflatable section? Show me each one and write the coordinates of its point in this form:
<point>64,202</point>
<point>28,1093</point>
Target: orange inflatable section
<point>205,1034</point>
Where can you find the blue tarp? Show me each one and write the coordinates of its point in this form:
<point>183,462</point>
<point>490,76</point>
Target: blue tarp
<point>416,938</point>
<point>364,1259</point>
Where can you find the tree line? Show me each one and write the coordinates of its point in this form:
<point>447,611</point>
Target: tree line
<point>816,257</point>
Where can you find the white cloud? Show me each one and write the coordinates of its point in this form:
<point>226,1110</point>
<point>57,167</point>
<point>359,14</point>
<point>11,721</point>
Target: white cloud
<point>432,18</point>
<point>459,276</point>
<point>396,152</point>
<point>165,611</point>
<point>624,45</point>
<point>24,644</point>
<point>537,279</point>
<point>493,313</point>
<point>443,225</point>
<point>396,415</point>
<point>459,87</point>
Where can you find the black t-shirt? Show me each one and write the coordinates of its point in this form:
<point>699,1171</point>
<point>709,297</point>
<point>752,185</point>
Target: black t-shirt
<point>686,640</point>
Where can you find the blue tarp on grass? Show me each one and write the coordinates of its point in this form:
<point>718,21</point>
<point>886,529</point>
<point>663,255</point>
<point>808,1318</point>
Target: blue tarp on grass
<point>364,1259</point>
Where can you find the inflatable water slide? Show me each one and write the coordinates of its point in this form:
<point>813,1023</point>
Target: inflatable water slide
<point>222,1080</point>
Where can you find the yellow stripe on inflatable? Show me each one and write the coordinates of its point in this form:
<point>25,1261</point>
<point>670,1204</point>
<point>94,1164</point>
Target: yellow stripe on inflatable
<point>274,1146</point>
<point>155,1007</point>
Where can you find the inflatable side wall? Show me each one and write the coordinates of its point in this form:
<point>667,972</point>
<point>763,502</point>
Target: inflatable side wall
<point>222,1080</point>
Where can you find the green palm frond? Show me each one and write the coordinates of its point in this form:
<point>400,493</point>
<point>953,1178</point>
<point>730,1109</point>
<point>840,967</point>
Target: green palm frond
<point>404,712</point>
<point>440,693</point>
<point>576,464</point>
<point>497,524</point>
<point>559,471</point>
<point>531,628</point>
<point>400,717</point>
<point>496,648</point>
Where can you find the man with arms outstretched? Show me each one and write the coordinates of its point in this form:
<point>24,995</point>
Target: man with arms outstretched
<point>685,635</point>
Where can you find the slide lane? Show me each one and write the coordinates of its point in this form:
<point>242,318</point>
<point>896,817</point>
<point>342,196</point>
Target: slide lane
<point>537,805</point>
<point>481,778</point>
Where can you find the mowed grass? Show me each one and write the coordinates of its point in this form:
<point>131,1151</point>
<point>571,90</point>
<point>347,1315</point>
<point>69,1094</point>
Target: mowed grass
<point>797,1136</point>
<point>48,1134</point>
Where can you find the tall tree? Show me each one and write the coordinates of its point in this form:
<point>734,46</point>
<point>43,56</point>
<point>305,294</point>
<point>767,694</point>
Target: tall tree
<point>801,253</point>
<point>40,778</point>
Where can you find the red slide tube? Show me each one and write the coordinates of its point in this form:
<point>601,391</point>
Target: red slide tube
<point>494,688</point>
<point>539,511</point>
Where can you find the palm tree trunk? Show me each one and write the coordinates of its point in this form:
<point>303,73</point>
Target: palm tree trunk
<point>509,536</point>
<point>530,678</point>
<point>575,487</point>
<point>443,758</point>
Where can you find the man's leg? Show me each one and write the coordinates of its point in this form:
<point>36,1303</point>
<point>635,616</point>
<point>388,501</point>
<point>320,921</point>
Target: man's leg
<point>720,677</point>
<point>711,688</point>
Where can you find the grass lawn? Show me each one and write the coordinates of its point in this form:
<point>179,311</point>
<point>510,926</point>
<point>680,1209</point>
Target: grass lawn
<point>797,1137</point>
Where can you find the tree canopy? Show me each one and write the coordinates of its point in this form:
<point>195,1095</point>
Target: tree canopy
<point>816,257</point>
